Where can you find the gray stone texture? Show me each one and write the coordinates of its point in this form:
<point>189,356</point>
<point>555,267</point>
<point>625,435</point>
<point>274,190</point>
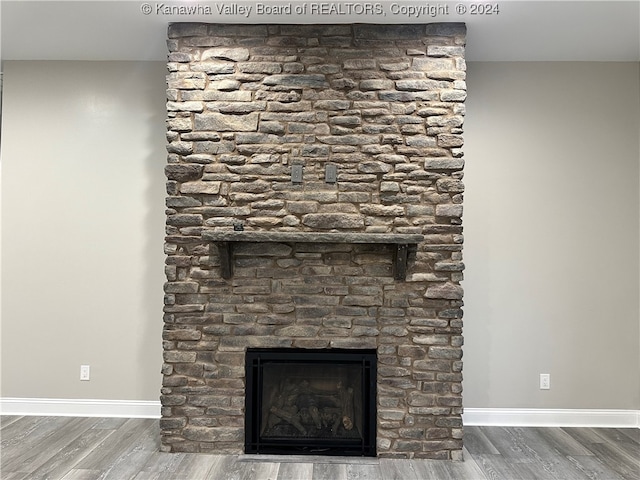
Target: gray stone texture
<point>314,266</point>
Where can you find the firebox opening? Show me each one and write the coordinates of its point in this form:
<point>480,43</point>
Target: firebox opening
<point>310,402</point>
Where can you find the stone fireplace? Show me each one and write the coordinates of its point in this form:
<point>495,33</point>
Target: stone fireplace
<point>314,203</point>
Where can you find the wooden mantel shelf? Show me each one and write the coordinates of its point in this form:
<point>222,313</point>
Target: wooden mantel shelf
<point>310,237</point>
<point>225,240</point>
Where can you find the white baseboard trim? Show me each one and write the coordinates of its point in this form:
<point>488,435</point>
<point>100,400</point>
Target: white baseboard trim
<point>527,417</point>
<point>505,417</point>
<point>64,407</point>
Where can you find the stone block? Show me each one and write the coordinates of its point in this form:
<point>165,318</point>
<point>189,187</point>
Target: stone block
<point>374,167</point>
<point>260,67</point>
<point>449,266</point>
<point>421,141</point>
<point>450,185</point>
<point>348,139</point>
<point>394,331</point>
<point>197,188</point>
<point>358,342</point>
<point>397,96</point>
<point>391,414</point>
<point>236,107</point>
<point>213,434</point>
<point>416,85</point>
<point>453,96</point>
<point>449,210</point>
<point>450,401</point>
<point>191,370</point>
<point>174,381</point>
<point>227,95</point>
<point>272,127</point>
<point>361,300</point>
<point>180,148</point>
<point>179,357</point>
<point>297,81</point>
<point>445,51</point>
<point>420,399</point>
<point>453,121</point>
<point>225,85</point>
<point>447,291</point>
<point>314,150</point>
<point>448,29</point>
<point>412,351</point>
<point>186,80</point>
<point>182,334</point>
<point>376,84</point>
<point>172,400</point>
<point>359,64</point>
<point>187,29</point>
<point>220,122</point>
<point>382,210</point>
<point>408,445</point>
<point>180,124</point>
<point>389,371</point>
<point>328,221</point>
<point>298,331</point>
<point>175,423</point>
<point>447,140</point>
<point>209,149</point>
<point>346,120</point>
<point>383,443</point>
<point>235,54</point>
<point>192,106</point>
<point>435,339</point>
<point>433,365</point>
<point>445,352</point>
<point>183,172</point>
<point>449,422</point>
<point>181,287</point>
<point>412,433</point>
<point>183,220</point>
<point>394,66</point>
<point>361,331</point>
<point>344,84</point>
<point>386,33</point>
<point>334,105</point>
<point>214,67</point>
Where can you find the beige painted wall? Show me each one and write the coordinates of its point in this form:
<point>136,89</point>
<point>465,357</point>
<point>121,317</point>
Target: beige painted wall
<point>551,232</point>
<point>551,235</point>
<point>83,224</point>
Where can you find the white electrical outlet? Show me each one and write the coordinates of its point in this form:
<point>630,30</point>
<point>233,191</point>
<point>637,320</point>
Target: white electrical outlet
<point>85,373</point>
<point>545,381</point>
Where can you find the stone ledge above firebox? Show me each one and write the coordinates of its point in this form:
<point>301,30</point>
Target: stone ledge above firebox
<point>224,239</point>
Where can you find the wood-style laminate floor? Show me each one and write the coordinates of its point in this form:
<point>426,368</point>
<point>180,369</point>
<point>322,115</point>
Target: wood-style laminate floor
<point>38,448</point>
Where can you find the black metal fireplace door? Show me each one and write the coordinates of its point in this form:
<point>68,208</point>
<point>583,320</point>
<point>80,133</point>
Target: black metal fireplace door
<point>319,402</point>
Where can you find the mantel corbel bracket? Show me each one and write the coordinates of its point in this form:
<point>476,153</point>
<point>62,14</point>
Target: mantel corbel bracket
<point>400,261</point>
<point>225,251</point>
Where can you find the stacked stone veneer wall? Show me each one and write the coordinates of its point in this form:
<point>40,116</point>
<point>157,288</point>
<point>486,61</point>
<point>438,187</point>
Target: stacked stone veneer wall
<point>385,105</point>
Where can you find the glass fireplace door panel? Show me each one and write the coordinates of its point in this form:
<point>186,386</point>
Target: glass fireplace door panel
<point>311,401</point>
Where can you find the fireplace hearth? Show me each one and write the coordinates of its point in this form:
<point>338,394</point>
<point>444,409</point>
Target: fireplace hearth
<point>310,401</point>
